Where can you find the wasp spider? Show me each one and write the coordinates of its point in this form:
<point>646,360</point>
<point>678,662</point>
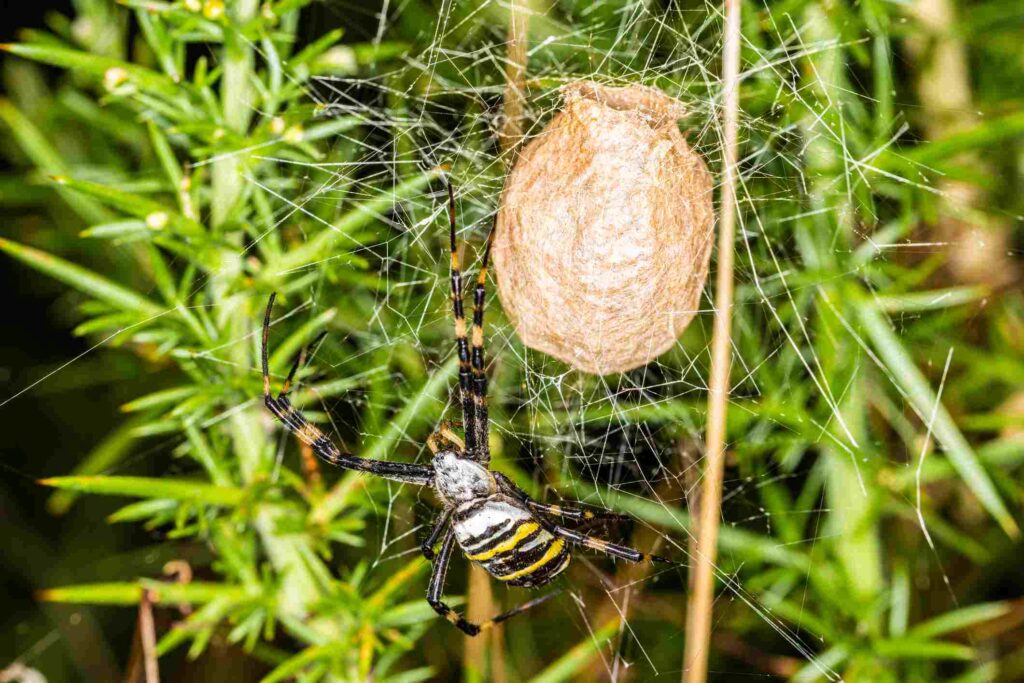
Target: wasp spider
<point>495,524</point>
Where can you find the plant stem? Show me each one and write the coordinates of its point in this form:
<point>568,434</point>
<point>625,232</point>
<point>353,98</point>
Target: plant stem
<point>481,605</point>
<point>698,614</point>
<point>515,78</point>
<point>236,103</point>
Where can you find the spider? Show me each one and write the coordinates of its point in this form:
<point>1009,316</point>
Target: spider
<point>495,524</point>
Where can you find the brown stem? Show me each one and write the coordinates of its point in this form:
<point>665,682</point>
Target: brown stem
<point>698,631</point>
<point>624,593</point>
<point>482,606</point>
<point>515,79</point>
<point>142,665</point>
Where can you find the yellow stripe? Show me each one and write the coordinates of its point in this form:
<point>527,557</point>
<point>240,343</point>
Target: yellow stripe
<point>551,554</point>
<point>522,532</point>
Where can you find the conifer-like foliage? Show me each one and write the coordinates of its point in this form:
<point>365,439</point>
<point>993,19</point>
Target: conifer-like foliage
<point>170,164</point>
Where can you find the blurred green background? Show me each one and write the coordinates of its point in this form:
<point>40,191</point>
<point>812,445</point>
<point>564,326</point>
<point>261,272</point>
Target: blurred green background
<point>166,165</point>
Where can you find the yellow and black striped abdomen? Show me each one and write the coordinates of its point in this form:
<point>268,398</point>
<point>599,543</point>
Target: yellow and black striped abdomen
<point>506,540</point>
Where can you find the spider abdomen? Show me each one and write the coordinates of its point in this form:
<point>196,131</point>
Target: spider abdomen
<point>505,539</point>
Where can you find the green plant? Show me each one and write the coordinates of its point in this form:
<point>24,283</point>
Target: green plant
<point>874,474</point>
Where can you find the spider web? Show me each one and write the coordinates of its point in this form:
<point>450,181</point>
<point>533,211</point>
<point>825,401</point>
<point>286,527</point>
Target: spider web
<point>634,436</point>
<point>630,441</point>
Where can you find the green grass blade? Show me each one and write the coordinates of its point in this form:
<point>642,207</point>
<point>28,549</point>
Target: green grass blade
<point>909,648</point>
<point>289,669</point>
<point>145,487</point>
<point>156,215</point>
<point>109,451</point>
<point>97,65</point>
<point>932,301</point>
<point>81,279</point>
<point>573,662</point>
<point>126,593</point>
<point>908,378</point>
<point>116,230</point>
<point>160,399</point>
<point>959,619</point>
<point>143,510</point>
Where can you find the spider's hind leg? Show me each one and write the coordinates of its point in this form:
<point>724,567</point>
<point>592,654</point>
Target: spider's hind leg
<point>435,594</point>
<point>576,514</point>
<point>608,548</point>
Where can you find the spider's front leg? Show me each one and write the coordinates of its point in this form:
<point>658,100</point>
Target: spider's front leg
<point>321,444</point>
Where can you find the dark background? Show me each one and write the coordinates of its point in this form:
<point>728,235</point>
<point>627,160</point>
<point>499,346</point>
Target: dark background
<point>49,428</point>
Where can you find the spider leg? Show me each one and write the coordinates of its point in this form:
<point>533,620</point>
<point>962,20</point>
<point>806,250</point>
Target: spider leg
<point>461,343</point>
<point>563,511</point>
<point>575,514</point>
<point>479,375</point>
<point>585,540</point>
<point>427,547</point>
<point>322,446</point>
<point>435,593</point>
<point>607,547</point>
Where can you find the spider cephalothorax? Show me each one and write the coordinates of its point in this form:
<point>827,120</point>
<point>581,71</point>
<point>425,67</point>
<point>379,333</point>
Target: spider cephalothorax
<point>495,523</point>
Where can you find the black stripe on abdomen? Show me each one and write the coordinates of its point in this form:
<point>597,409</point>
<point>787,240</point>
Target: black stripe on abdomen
<point>533,567</point>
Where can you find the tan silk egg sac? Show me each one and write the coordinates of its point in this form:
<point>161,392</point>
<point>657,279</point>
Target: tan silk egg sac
<point>604,231</point>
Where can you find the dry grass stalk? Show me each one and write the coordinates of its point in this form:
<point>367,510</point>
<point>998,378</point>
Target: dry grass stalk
<point>142,663</point>
<point>699,611</point>
<point>480,594</point>
<point>482,606</point>
<point>514,99</point>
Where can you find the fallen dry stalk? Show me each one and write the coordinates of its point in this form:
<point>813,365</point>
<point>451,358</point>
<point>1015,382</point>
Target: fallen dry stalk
<point>698,613</point>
